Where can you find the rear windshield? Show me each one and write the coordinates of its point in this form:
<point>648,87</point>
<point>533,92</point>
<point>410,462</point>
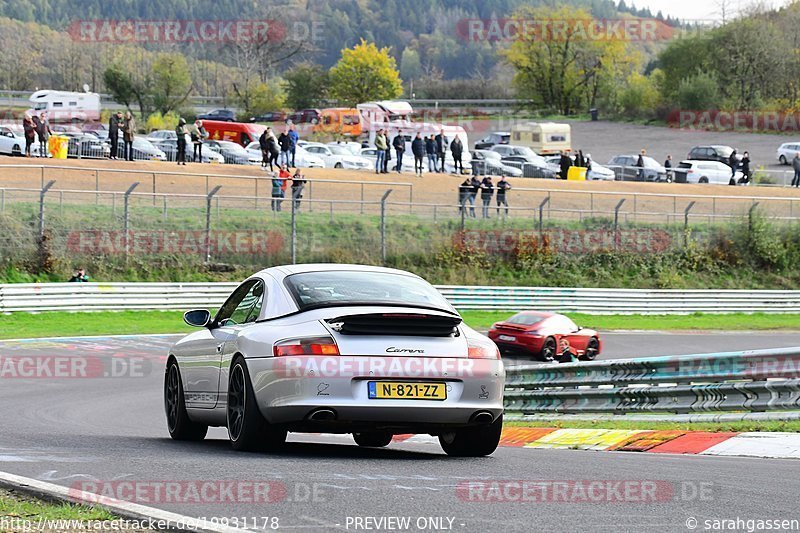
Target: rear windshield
<point>333,288</point>
<point>685,165</point>
<point>525,319</point>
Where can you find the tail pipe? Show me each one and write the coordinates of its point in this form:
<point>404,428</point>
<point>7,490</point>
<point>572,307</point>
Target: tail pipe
<point>482,417</point>
<point>323,414</point>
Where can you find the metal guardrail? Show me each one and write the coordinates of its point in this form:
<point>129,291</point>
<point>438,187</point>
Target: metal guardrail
<point>756,381</point>
<point>116,296</point>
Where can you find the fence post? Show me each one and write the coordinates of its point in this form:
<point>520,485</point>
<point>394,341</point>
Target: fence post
<point>616,223</point>
<point>686,223</point>
<point>383,226</point>
<point>154,187</point>
<point>541,216</point>
<point>209,196</point>
<point>41,205</point>
<point>294,232</point>
<point>750,217</point>
<point>126,219</point>
<point>96,187</point>
<point>362,198</point>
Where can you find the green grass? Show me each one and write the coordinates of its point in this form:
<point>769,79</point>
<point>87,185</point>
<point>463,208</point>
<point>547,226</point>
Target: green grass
<point>64,324</point>
<point>738,426</point>
<point>16,506</point>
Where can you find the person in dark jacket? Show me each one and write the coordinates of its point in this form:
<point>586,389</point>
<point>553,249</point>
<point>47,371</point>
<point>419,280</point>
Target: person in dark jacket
<point>430,150</point>
<point>114,122</point>
<point>668,167</point>
<point>745,168</point>
<point>487,191</point>
<point>502,186</point>
<point>733,162</point>
<point>273,147</point>
<point>441,149</point>
<point>796,167</point>
<point>464,191</point>
<point>476,186</point>
<point>199,134</point>
<point>264,146</point>
<point>298,184</point>
<point>580,161</point>
<point>285,142</point>
<point>128,135</point>
<point>640,165</point>
<point>564,163</point>
<point>181,131</point>
<point>29,129</point>
<point>79,276</point>
<point>43,130</point>
<point>418,149</point>
<point>399,145</point>
<point>457,148</point>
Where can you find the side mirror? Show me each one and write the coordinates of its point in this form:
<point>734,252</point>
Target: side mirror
<point>199,318</point>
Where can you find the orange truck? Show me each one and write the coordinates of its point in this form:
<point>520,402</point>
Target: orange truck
<point>344,121</point>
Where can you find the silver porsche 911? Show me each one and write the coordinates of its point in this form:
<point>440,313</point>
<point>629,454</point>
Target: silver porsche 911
<point>335,349</point>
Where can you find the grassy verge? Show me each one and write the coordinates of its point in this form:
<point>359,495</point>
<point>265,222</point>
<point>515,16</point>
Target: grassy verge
<point>63,324</point>
<point>737,426</point>
<point>17,509</point>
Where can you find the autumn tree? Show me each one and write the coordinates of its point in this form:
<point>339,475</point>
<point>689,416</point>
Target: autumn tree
<point>365,73</point>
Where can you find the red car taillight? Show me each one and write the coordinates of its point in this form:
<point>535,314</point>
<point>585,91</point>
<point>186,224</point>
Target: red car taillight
<point>482,350</point>
<point>306,346</point>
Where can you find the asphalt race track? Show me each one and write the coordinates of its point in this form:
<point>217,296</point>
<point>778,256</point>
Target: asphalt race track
<point>109,427</point>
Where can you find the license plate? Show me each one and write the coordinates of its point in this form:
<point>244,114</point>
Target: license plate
<point>508,338</point>
<point>398,390</point>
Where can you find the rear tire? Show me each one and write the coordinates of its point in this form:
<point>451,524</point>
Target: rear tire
<point>373,439</point>
<point>548,352</point>
<point>247,428</point>
<point>179,424</point>
<point>337,165</point>
<point>473,441</point>
<point>783,160</point>
<point>592,350</point>
<point>16,150</point>
<point>703,180</point>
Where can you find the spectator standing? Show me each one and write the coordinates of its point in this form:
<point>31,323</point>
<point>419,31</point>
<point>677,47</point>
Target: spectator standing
<point>487,191</point>
<point>476,186</point>
<point>273,147</point>
<point>298,184</point>
<point>293,138</point>
<point>36,125</point>
<point>733,162</point>
<point>29,129</point>
<point>457,148</point>
<point>502,187</point>
<point>278,186</point>
<point>668,166</point>
<point>580,161</point>
<point>430,150</point>
<point>181,131</point>
<point>399,145</point>
<point>128,135</point>
<point>796,167</point>
<point>441,149</point>
<point>564,163</point>
<point>114,122</point>
<point>44,134</point>
<point>463,194</point>
<point>640,165</point>
<point>745,168</point>
<point>199,134</point>
<point>79,276</point>
<point>263,144</point>
<point>418,149</point>
<point>380,151</point>
<point>285,144</point>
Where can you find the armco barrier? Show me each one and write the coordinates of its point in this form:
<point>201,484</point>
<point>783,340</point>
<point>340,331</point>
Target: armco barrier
<point>105,296</point>
<point>756,381</point>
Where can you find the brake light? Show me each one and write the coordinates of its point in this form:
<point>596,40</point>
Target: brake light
<point>482,350</point>
<point>306,346</point>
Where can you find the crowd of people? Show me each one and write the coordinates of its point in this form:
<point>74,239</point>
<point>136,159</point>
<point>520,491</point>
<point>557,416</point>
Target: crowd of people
<point>434,147</point>
<point>34,126</point>
<point>280,182</point>
<point>278,151</point>
<point>470,188</point>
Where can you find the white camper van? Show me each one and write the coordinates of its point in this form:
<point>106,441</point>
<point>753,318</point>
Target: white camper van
<point>542,137</point>
<point>65,106</point>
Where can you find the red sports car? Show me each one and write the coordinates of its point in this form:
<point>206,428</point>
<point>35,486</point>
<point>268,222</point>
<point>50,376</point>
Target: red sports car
<point>543,335</point>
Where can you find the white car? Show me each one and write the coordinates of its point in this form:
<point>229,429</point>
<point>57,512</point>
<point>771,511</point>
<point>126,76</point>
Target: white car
<point>12,141</point>
<point>335,349</point>
<point>694,171</point>
<point>338,156</point>
<point>598,172</point>
<point>354,147</point>
<point>787,152</point>
<point>302,158</point>
<point>408,163</point>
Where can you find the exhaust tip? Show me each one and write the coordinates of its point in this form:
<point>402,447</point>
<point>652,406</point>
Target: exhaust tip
<point>322,415</point>
<point>482,417</point>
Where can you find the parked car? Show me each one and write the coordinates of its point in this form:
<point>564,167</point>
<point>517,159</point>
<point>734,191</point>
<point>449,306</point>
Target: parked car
<point>162,135</point>
<point>270,116</point>
<point>302,158</point>
<point>338,156</point>
<point>233,153</point>
<point>625,169</point>
<point>488,162</point>
<point>354,147</point>
<point>542,335</point>
<point>170,149</point>
<point>305,116</point>
<point>143,150</point>
<point>704,172</point>
<point>787,151</point>
<point>497,137</point>
<point>522,157</point>
<point>12,140</point>
<point>372,155</point>
<point>86,146</point>
<point>598,171</point>
<point>224,115</point>
<point>278,356</point>
<point>714,152</point>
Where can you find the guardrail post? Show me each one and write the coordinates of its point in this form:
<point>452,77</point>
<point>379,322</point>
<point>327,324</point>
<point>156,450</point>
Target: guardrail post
<point>209,196</point>
<point>383,225</point>
<point>541,216</point>
<point>125,217</point>
<point>686,223</point>
<point>616,223</point>
<point>41,205</point>
<point>294,232</point>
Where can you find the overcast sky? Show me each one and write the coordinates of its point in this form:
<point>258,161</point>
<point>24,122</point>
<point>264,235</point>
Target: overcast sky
<point>699,9</point>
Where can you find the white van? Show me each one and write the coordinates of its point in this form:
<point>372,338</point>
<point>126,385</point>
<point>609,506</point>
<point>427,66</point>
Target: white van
<point>65,106</point>
<point>542,137</point>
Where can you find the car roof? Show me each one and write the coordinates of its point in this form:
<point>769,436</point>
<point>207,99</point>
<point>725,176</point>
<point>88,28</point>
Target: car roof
<point>280,272</point>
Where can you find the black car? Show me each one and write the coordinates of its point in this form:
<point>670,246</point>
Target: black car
<point>497,137</point>
<point>270,116</point>
<point>714,152</point>
<point>305,116</point>
<point>225,115</point>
